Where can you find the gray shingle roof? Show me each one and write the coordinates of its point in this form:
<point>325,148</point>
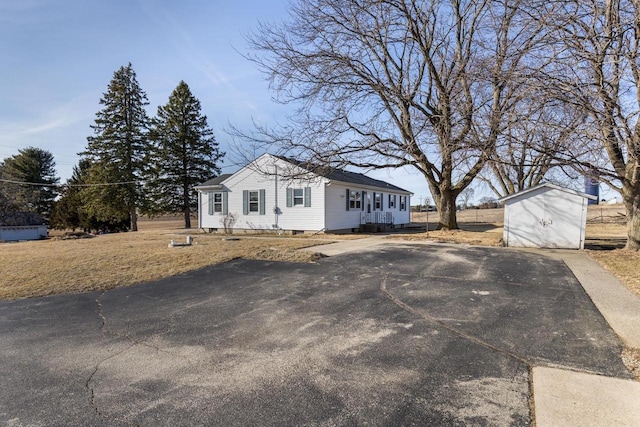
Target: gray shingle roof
<point>215,181</point>
<point>334,174</point>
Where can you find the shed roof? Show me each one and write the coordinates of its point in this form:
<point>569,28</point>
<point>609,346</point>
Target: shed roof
<point>550,186</point>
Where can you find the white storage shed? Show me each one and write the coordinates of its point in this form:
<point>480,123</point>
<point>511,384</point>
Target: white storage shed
<point>545,216</point>
<point>27,232</point>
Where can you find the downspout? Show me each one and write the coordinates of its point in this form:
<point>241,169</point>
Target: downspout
<point>275,209</point>
<point>199,209</point>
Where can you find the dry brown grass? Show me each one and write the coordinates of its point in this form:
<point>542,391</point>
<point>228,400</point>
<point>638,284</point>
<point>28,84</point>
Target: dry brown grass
<point>104,262</point>
<point>481,227</point>
<point>631,358</point>
<point>469,234</point>
<point>623,264</point>
<point>108,261</point>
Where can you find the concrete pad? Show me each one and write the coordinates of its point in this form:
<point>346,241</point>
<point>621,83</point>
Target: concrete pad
<point>566,398</point>
<point>618,305</point>
<point>344,246</point>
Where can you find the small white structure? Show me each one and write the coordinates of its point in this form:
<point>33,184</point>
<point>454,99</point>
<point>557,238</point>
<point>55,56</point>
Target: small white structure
<point>545,216</point>
<point>26,232</point>
<point>280,194</point>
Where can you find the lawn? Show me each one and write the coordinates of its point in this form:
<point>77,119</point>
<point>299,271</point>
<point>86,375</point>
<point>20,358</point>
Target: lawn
<point>104,262</point>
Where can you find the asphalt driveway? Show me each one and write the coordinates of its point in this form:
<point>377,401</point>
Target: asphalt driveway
<point>404,335</point>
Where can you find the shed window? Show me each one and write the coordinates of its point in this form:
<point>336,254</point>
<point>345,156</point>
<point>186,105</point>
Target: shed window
<point>298,197</point>
<point>392,201</point>
<point>403,203</point>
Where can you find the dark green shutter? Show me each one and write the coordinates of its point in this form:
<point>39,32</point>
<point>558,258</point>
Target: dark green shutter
<point>381,201</point>
<point>289,197</point>
<point>262,202</point>
<point>348,195</point>
<point>225,203</point>
<point>245,202</point>
<point>363,199</point>
<point>307,197</point>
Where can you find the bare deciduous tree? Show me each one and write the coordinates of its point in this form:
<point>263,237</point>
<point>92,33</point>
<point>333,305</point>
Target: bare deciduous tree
<point>530,149</point>
<point>597,71</point>
<point>466,195</point>
<point>393,83</point>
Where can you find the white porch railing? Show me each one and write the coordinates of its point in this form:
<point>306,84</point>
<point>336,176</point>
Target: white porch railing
<point>376,218</point>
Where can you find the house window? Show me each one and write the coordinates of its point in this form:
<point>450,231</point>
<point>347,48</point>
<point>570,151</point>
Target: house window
<point>217,203</point>
<point>254,201</point>
<point>377,201</point>
<point>403,203</point>
<point>392,201</point>
<point>299,197</point>
<point>355,200</point>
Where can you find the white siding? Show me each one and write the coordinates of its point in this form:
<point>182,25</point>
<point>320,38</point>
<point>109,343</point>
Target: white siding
<point>548,218</point>
<point>328,201</point>
<point>206,220</point>
<point>28,232</point>
<point>339,218</point>
<point>254,178</point>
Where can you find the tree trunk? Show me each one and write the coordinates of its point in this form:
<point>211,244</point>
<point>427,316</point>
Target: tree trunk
<point>185,200</point>
<point>134,219</point>
<point>446,202</point>
<point>187,217</point>
<point>631,196</point>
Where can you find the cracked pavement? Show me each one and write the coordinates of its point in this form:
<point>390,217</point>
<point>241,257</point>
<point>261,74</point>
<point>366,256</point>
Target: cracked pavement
<point>403,335</point>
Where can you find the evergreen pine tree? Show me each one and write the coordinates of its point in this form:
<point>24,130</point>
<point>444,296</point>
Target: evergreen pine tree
<point>32,166</point>
<point>69,211</point>
<point>117,151</point>
<point>186,154</point>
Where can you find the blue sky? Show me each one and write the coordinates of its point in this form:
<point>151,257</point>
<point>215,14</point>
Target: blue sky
<point>58,57</point>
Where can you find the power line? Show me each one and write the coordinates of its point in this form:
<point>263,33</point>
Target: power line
<point>98,184</point>
<point>46,184</point>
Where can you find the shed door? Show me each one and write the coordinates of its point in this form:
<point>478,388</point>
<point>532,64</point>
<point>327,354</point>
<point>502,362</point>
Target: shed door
<point>525,226</point>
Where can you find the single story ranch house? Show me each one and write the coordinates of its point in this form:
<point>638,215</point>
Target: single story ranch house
<point>279,194</point>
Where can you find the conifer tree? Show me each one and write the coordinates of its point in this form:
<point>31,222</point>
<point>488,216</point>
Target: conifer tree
<point>117,151</point>
<point>186,154</point>
<point>35,168</point>
<point>69,211</point>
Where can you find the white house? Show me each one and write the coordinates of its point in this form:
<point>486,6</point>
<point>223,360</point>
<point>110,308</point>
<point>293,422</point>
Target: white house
<point>276,193</point>
<point>545,216</point>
